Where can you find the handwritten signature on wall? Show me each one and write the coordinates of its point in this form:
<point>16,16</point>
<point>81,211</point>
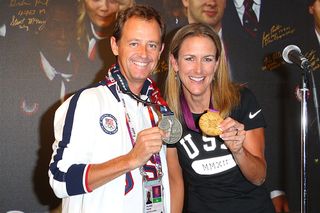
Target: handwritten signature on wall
<point>28,15</point>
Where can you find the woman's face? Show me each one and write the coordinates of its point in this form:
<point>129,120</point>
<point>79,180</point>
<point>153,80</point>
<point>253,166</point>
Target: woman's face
<point>196,65</point>
<point>102,13</point>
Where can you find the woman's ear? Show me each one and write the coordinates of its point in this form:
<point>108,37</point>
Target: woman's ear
<point>217,64</point>
<point>174,63</point>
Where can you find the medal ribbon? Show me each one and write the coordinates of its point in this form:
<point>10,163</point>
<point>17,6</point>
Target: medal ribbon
<point>187,115</point>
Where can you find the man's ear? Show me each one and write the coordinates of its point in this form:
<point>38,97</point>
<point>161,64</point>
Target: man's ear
<point>114,46</point>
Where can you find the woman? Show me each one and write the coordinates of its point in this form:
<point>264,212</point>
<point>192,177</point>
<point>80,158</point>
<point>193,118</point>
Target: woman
<point>223,173</point>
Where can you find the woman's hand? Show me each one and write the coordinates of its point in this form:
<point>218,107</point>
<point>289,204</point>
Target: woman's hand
<point>233,134</point>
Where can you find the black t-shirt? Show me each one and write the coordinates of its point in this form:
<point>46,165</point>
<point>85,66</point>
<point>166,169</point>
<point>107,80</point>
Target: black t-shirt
<point>214,182</point>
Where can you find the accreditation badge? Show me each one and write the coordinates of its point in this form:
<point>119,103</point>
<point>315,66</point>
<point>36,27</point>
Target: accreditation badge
<point>153,196</point>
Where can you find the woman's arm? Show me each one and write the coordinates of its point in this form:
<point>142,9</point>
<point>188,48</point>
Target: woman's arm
<point>175,180</point>
<point>247,148</point>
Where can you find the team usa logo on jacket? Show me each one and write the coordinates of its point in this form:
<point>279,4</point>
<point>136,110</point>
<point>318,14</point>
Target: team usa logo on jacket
<point>108,124</point>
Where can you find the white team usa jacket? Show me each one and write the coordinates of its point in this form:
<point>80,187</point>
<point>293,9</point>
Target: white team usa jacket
<point>90,127</point>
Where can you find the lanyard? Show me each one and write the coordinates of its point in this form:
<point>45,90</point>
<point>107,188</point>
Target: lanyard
<point>124,89</point>
<point>132,133</point>
<point>155,97</point>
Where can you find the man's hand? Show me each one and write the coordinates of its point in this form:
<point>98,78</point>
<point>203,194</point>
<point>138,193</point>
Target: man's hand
<point>148,142</point>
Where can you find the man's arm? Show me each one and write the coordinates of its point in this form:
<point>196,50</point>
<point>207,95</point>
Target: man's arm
<point>148,143</point>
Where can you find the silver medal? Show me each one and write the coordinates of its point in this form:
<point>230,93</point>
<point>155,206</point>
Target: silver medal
<point>172,127</point>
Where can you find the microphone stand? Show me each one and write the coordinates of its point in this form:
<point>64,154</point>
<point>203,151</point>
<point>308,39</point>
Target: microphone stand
<point>304,123</point>
<point>292,54</point>
<point>304,130</point>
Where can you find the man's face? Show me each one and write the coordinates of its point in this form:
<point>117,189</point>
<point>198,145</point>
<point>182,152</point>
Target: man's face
<point>138,50</point>
<point>102,13</point>
<point>205,11</point>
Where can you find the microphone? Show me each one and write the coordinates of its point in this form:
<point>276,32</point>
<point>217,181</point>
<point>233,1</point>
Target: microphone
<point>292,54</point>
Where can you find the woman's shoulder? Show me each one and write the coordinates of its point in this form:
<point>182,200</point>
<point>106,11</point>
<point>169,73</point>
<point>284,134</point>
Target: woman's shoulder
<point>246,93</point>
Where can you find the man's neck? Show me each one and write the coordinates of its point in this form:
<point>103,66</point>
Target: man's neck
<point>135,88</point>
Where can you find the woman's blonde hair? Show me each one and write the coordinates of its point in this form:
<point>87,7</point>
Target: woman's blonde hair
<point>225,94</point>
<point>82,31</point>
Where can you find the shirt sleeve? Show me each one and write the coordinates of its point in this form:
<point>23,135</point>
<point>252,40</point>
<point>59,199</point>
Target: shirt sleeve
<point>249,112</point>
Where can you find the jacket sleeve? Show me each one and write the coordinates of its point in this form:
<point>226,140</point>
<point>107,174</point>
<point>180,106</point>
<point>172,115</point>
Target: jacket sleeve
<point>70,161</point>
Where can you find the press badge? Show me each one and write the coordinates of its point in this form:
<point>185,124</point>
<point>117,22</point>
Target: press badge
<point>153,196</point>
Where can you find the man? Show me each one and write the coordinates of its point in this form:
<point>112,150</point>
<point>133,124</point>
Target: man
<point>108,152</point>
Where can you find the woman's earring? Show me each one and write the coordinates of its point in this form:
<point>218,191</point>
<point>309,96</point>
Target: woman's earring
<point>177,20</point>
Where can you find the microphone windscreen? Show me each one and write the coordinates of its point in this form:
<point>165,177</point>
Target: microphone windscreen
<point>286,51</point>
